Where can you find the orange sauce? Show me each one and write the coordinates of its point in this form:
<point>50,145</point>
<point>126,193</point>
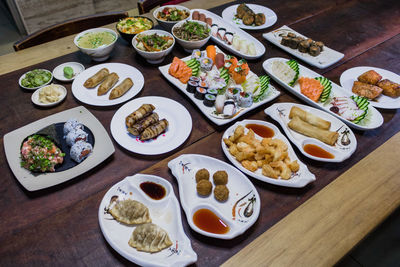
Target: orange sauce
<point>207,221</point>
<point>261,130</point>
<point>316,151</point>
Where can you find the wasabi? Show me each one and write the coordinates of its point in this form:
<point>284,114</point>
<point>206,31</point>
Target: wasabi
<point>68,72</point>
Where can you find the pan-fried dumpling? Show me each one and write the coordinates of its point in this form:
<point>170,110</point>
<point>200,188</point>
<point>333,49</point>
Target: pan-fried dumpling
<point>130,212</point>
<point>149,238</point>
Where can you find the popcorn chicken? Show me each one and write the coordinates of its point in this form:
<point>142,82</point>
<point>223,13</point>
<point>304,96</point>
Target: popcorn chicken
<point>267,170</point>
<point>250,165</point>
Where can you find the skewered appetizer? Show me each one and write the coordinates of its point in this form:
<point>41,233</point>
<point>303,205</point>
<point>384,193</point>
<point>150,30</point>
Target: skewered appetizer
<point>371,86</point>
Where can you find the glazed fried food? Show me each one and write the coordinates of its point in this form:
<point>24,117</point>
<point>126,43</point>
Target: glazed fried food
<point>220,178</point>
<point>202,174</point>
<point>97,78</point>
<point>309,117</point>
<point>221,193</point>
<point>259,19</point>
<point>154,130</point>
<point>367,90</point>
<point>107,84</point>
<point>370,77</point>
<point>271,155</point>
<point>141,125</point>
<point>204,187</point>
<point>248,19</point>
<point>390,88</point>
<point>121,89</point>
<point>139,114</point>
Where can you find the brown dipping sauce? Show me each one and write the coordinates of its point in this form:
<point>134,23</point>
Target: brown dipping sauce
<point>316,151</point>
<point>207,221</point>
<point>153,190</point>
<point>261,130</point>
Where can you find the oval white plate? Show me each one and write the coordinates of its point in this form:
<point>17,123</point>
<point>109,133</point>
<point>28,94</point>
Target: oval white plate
<point>58,72</point>
<point>34,88</point>
<point>89,96</point>
<point>349,76</point>
<point>299,179</point>
<point>260,48</point>
<point>341,151</point>
<point>35,96</point>
<point>164,212</point>
<point>179,126</point>
<point>270,17</point>
<point>372,121</point>
<point>241,193</point>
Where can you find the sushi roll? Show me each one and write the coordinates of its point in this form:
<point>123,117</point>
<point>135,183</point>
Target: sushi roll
<point>228,38</point>
<point>294,42</point>
<point>233,93</point>
<point>291,35</point>
<point>214,30</point>
<point>206,63</point>
<point>229,108</point>
<point>203,84</point>
<point>245,99</point>
<point>80,150</point>
<point>75,136</point>
<point>194,79</point>
<point>219,103</point>
<point>314,50</point>
<point>212,91</point>
<point>221,33</point>
<point>200,93</point>
<point>320,45</point>
<point>285,41</point>
<point>191,86</point>
<point>72,124</point>
<point>197,54</point>
<point>209,100</point>
<point>303,46</point>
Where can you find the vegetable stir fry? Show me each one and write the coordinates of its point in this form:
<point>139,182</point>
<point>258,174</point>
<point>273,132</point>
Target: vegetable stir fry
<point>133,25</point>
<point>192,31</point>
<point>153,42</point>
<point>36,78</point>
<point>172,14</point>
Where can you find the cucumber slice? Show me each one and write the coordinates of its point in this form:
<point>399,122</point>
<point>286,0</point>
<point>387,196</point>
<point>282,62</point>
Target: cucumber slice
<point>264,85</point>
<point>362,103</point>
<point>327,84</point>
<point>224,73</point>
<point>294,66</point>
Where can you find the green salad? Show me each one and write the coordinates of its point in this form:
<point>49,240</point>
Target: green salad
<point>36,78</point>
<point>192,31</point>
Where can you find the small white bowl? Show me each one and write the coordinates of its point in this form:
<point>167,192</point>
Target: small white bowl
<point>189,46</point>
<point>35,96</point>
<point>58,72</point>
<point>169,24</point>
<point>37,87</point>
<point>153,57</point>
<point>100,53</point>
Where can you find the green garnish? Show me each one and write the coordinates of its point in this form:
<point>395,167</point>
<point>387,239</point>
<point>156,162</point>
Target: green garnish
<point>36,78</point>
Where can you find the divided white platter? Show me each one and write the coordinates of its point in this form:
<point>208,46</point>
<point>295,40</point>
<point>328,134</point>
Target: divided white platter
<point>103,148</point>
<point>327,57</point>
<point>299,179</point>
<point>179,126</point>
<point>89,96</point>
<point>341,150</point>
<point>241,192</point>
<point>36,101</point>
<point>58,72</point>
<point>372,121</point>
<point>270,17</point>
<point>260,48</point>
<point>37,87</point>
<point>164,212</point>
<point>349,76</point>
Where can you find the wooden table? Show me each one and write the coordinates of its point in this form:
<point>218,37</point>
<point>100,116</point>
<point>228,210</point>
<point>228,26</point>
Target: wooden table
<point>313,226</point>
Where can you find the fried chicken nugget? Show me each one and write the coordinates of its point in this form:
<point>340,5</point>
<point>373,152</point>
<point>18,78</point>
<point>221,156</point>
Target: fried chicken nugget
<point>250,165</point>
<point>239,131</point>
<point>294,166</point>
<point>233,150</point>
<point>228,142</point>
<point>268,171</point>
<point>284,170</point>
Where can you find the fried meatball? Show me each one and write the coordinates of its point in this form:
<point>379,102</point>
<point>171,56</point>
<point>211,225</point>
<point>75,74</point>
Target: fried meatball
<point>204,187</point>
<point>259,19</point>
<point>220,178</point>
<point>248,19</point>
<point>202,174</point>
<point>221,193</point>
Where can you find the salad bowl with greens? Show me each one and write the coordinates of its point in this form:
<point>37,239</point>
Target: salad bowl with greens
<point>35,79</point>
<point>191,34</point>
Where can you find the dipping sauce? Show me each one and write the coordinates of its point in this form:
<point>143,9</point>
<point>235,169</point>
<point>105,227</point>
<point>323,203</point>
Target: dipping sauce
<point>153,190</point>
<point>316,151</point>
<point>94,40</point>
<point>207,221</point>
<point>261,130</point>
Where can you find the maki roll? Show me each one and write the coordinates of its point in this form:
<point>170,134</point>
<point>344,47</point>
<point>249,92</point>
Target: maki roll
<point>294,42</point>
<point>194,78</point>
<point>191,86</point>
<point>75,136</point>
<point>285,41</point>
<point>209,100</point>
<point>233,93</point>
<point>245,100</point>
<point>291,35</point>
<point>212,91</point>
<point>80,150</point>
<point>228,38</point>
<point>214,30</point>
<point>197,54</point>
<point>303,46</point>
<point>320,45</point>
<point>72,124</point>
<point>200,93</point>
<point>314,50</point>
<point>206,63</point>
<point>203,84</point>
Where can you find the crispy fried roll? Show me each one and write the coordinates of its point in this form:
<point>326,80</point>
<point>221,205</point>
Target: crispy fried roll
<point>121,89</point>
<point>97,78</point>
<point>154,130</point>
<point>107,84</point>
<point>309,118</point>
<point>139,114</point>
<point>141,125</point>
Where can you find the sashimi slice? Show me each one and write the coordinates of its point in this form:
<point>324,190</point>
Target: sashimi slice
<point>311,88</point>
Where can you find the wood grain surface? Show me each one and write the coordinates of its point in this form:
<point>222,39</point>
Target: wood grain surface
<point>59,225</point>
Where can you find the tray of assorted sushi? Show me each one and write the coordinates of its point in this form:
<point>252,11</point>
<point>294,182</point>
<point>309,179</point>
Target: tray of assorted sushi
<point>221,86</point>
<point>57,148</point>
<point>230,37</point>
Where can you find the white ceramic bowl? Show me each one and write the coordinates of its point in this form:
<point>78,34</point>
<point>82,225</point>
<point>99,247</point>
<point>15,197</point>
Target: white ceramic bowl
<point>36,101</point>
<point>153,57</point>
<point>37,87</point>
<point>169,24</point>
<point>101,53</point>
<point>189,46</point>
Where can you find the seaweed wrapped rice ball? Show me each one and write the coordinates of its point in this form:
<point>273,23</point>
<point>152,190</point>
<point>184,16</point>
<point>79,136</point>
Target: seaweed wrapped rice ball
<point>75,136</point>
<point>80,151</point>
<point>72,124</point>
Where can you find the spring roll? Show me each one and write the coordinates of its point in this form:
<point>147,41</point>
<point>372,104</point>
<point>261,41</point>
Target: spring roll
<point>141,125</point>
<point>97,78</point>
<point>154,130</point>
<point>300,126</point>
<point>121,89</point>
<point>107,84</point>
<point>139,114</point>
<point>310,118</point>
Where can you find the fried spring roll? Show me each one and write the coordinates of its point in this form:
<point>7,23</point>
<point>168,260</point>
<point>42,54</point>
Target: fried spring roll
<point>121,89</point>
<point>310,118</point>
<point>139,114</point>
<point>141,125</point>
<point>154,130</point>
<point>367,90</point>
<point>107,84</point>
<point>370,77</point>
<point>97,78</point>
<point>389,88</point>
<point>300,126</point>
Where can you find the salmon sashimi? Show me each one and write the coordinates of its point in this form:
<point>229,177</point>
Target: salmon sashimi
<point>180,70</point>
<point>311,88</point>
<point>174,66</point>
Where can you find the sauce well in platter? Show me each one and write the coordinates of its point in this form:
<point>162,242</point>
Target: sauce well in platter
<point>153,190</point>
<point>316,151</point>
<point>261,130</point>
<point>207,221</point>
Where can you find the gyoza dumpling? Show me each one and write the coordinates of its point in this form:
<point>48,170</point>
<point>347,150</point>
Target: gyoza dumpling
<point>149,238</point>
<point>130,212</point>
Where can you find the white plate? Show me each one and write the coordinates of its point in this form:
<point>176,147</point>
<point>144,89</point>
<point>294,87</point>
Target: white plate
<point>270,17</point>
<point>35,96</point>
<point>372,121</point>
<point>327,57</point>
<point>349,76</point>
<point>179,126</point>
<point>58,72</point>
<point>34,88</point>
<point>299,179</point>
<point>209,111</point>
<point>341,150</point>
<point>102,149</point>
<point>89,96</point>
<point>241,194</point>
<point>164,212</point>
<point>260,48</point>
